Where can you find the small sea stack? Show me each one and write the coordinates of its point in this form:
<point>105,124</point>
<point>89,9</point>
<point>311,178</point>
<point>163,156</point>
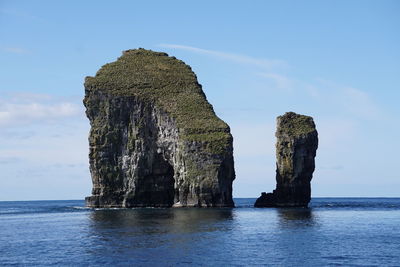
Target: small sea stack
<point>296,146</point>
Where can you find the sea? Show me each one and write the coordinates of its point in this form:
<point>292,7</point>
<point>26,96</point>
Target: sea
<point>331,232</point>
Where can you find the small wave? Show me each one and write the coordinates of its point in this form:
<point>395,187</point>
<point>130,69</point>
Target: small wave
<point>80,208</point>
<point>39,207</point>
<point>108,208</point>
<point>357,204</point>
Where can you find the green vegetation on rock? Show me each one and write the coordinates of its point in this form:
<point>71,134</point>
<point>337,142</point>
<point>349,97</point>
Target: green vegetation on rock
<point>295,124</point>
<point>170,84</point>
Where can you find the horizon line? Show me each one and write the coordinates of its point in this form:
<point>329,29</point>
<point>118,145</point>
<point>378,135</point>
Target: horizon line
<point>31,200</point>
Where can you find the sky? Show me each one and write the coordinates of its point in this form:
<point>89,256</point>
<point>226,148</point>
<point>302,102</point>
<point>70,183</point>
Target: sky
<point>337,61</point>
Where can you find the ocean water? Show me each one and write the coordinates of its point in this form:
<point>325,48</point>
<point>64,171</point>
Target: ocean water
<point>333,231</point>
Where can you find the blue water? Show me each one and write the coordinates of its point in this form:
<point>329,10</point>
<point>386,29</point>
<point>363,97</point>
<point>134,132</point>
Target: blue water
<point>333,231</point>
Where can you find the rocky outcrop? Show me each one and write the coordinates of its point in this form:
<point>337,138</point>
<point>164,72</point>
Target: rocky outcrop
<point>154,140</point>
<point>296,146</point>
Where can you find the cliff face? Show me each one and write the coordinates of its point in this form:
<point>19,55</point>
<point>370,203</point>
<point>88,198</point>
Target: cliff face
<point>297,143</point>
<point>155,141</point>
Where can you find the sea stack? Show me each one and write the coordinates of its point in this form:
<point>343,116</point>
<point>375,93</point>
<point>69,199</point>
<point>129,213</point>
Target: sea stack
<point>155,141</point>
<point>296,146</point>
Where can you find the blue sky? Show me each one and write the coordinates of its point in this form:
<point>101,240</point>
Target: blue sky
<point>338,61</point>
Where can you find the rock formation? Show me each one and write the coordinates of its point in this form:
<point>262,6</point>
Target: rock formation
<point>155,141</point>
<point>296,146</point>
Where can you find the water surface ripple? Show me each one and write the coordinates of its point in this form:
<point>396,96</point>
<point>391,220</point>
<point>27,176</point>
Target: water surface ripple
<point>333,231</point>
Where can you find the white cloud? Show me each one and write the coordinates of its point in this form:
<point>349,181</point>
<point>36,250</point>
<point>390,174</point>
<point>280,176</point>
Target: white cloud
<point>19,14</point>
<point>44,147</point>
<point>281,81</point>
<point>360,103</point>
<point>353,101</point>
<point>52,144</point>
<point>29,108</point>
<point>51,164</point>
<point>263,63</point>
<point>336,133</point>
<point>331,97</point>
<point>14,50</point>
<point>29,97</point>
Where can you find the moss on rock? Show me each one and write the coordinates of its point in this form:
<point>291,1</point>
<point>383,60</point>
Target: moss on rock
<point>295,124</point>
<point>170,84</point>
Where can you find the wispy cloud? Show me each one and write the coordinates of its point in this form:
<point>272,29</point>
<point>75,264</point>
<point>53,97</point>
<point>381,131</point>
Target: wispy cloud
<point>238,58</point>
<point>336,132</point>
<point>354,101</point>
<point>329,97</point>
<point>19,14</point>
<point>360,103</point>
<point>14,50</point>
<point>27,97</point>
<point>8,160</point>
<point>281,81</point>
<point>29,108</point>
<point>332,167</point>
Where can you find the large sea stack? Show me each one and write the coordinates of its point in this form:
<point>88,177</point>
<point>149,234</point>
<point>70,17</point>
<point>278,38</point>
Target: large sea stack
<point>296,146</point>
<point>155,141</point>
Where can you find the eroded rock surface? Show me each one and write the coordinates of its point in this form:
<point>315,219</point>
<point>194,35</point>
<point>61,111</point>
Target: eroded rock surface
<point>296,146</point>
<point>155,141</point>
